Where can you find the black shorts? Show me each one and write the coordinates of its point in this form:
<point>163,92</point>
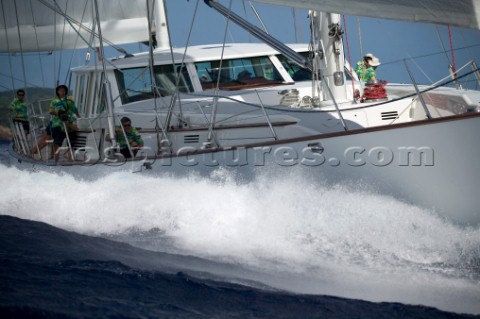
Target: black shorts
<point>59,135</point>
<point>48,129</point>
<point>126,153</point>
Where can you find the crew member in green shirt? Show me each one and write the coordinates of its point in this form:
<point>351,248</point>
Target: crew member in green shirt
<point>18,111</point>
<point>366,68</point>
<point>134,139</point>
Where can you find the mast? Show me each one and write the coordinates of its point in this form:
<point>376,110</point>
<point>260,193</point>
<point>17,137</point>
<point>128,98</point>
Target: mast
<point>161,25</point>
<point>106,84</point>
<point>327,37</point>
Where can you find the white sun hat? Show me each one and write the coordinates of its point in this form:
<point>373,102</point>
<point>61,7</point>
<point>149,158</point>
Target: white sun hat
<point>374,61</point>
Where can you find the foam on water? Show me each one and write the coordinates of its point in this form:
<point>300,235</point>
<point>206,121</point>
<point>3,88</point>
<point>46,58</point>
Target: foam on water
<point>342,240</point>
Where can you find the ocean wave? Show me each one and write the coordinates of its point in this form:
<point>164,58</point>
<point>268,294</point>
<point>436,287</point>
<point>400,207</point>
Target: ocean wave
<point>342,239</point>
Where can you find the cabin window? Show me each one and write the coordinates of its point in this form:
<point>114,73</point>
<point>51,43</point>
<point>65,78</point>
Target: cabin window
<point>348,75</point>
<point>167,79</point>
<point>238,73</point>
<point>89,93</point>
<point>297,73</point>
<point>99,101</point>
<point>81,90</point>
<point>135,84</point>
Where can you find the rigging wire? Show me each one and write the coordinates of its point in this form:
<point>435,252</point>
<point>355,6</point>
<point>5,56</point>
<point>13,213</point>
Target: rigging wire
<point>294,18</point>
<point>151,57</point>
<point>101,95</point>
<point>223,49</point>
<point>299,35</point>
<point>106,84</point>
<point>354,107</point>
<point>91,41</point>
<point>38,44</point>
<point>348,51</point>
<point>246,17</point>
<point>431,54</point>
<point>97,17</point>
<point>8,48</point>
<point>420,68</point>
<point>63,39</point>
<point>408,55</point>
<point>255,12</point>
<point>170,43</point>
<point>215,100</point>
<point>73,21</point>
<point>175,96</point>
<point>182,64</point>
<point>232,39</point>
<point>11,77</point>
<point>158,125</point>
<point>5,87</point>
<point>75,44</point>
<point>315,53</point>
<point>92,33</point>
<point>442,44</point>
<point>454,64</point>
<point>54,50</point>
<point>58,10</point>
<point>46,53</point>
<point>21,47</point>
<point>469,52</point>
<point>360,36</point>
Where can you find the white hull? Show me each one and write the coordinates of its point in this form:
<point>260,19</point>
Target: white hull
<point>433,164</point>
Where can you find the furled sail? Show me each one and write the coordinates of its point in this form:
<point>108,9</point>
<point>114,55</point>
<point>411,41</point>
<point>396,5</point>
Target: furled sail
<point>47,25</point>
<point>461,13</point>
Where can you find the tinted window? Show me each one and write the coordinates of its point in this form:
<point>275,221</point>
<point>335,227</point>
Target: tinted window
<point>302,74</point>
<point>135,84</point>
<point>297,73</point>
<point>234,73</point>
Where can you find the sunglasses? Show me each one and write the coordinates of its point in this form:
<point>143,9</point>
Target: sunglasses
<point>127,125</point>
<point>20,94</point>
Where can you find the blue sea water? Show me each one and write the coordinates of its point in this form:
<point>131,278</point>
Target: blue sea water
<point>132,246</point>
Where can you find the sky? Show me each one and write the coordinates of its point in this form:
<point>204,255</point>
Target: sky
<point>391,41</point>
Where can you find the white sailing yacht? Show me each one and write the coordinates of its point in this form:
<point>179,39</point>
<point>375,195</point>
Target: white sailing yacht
<point>248,107</point>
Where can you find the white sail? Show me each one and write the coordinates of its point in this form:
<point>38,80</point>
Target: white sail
<point>43,25</point>
<point>461,13</point>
